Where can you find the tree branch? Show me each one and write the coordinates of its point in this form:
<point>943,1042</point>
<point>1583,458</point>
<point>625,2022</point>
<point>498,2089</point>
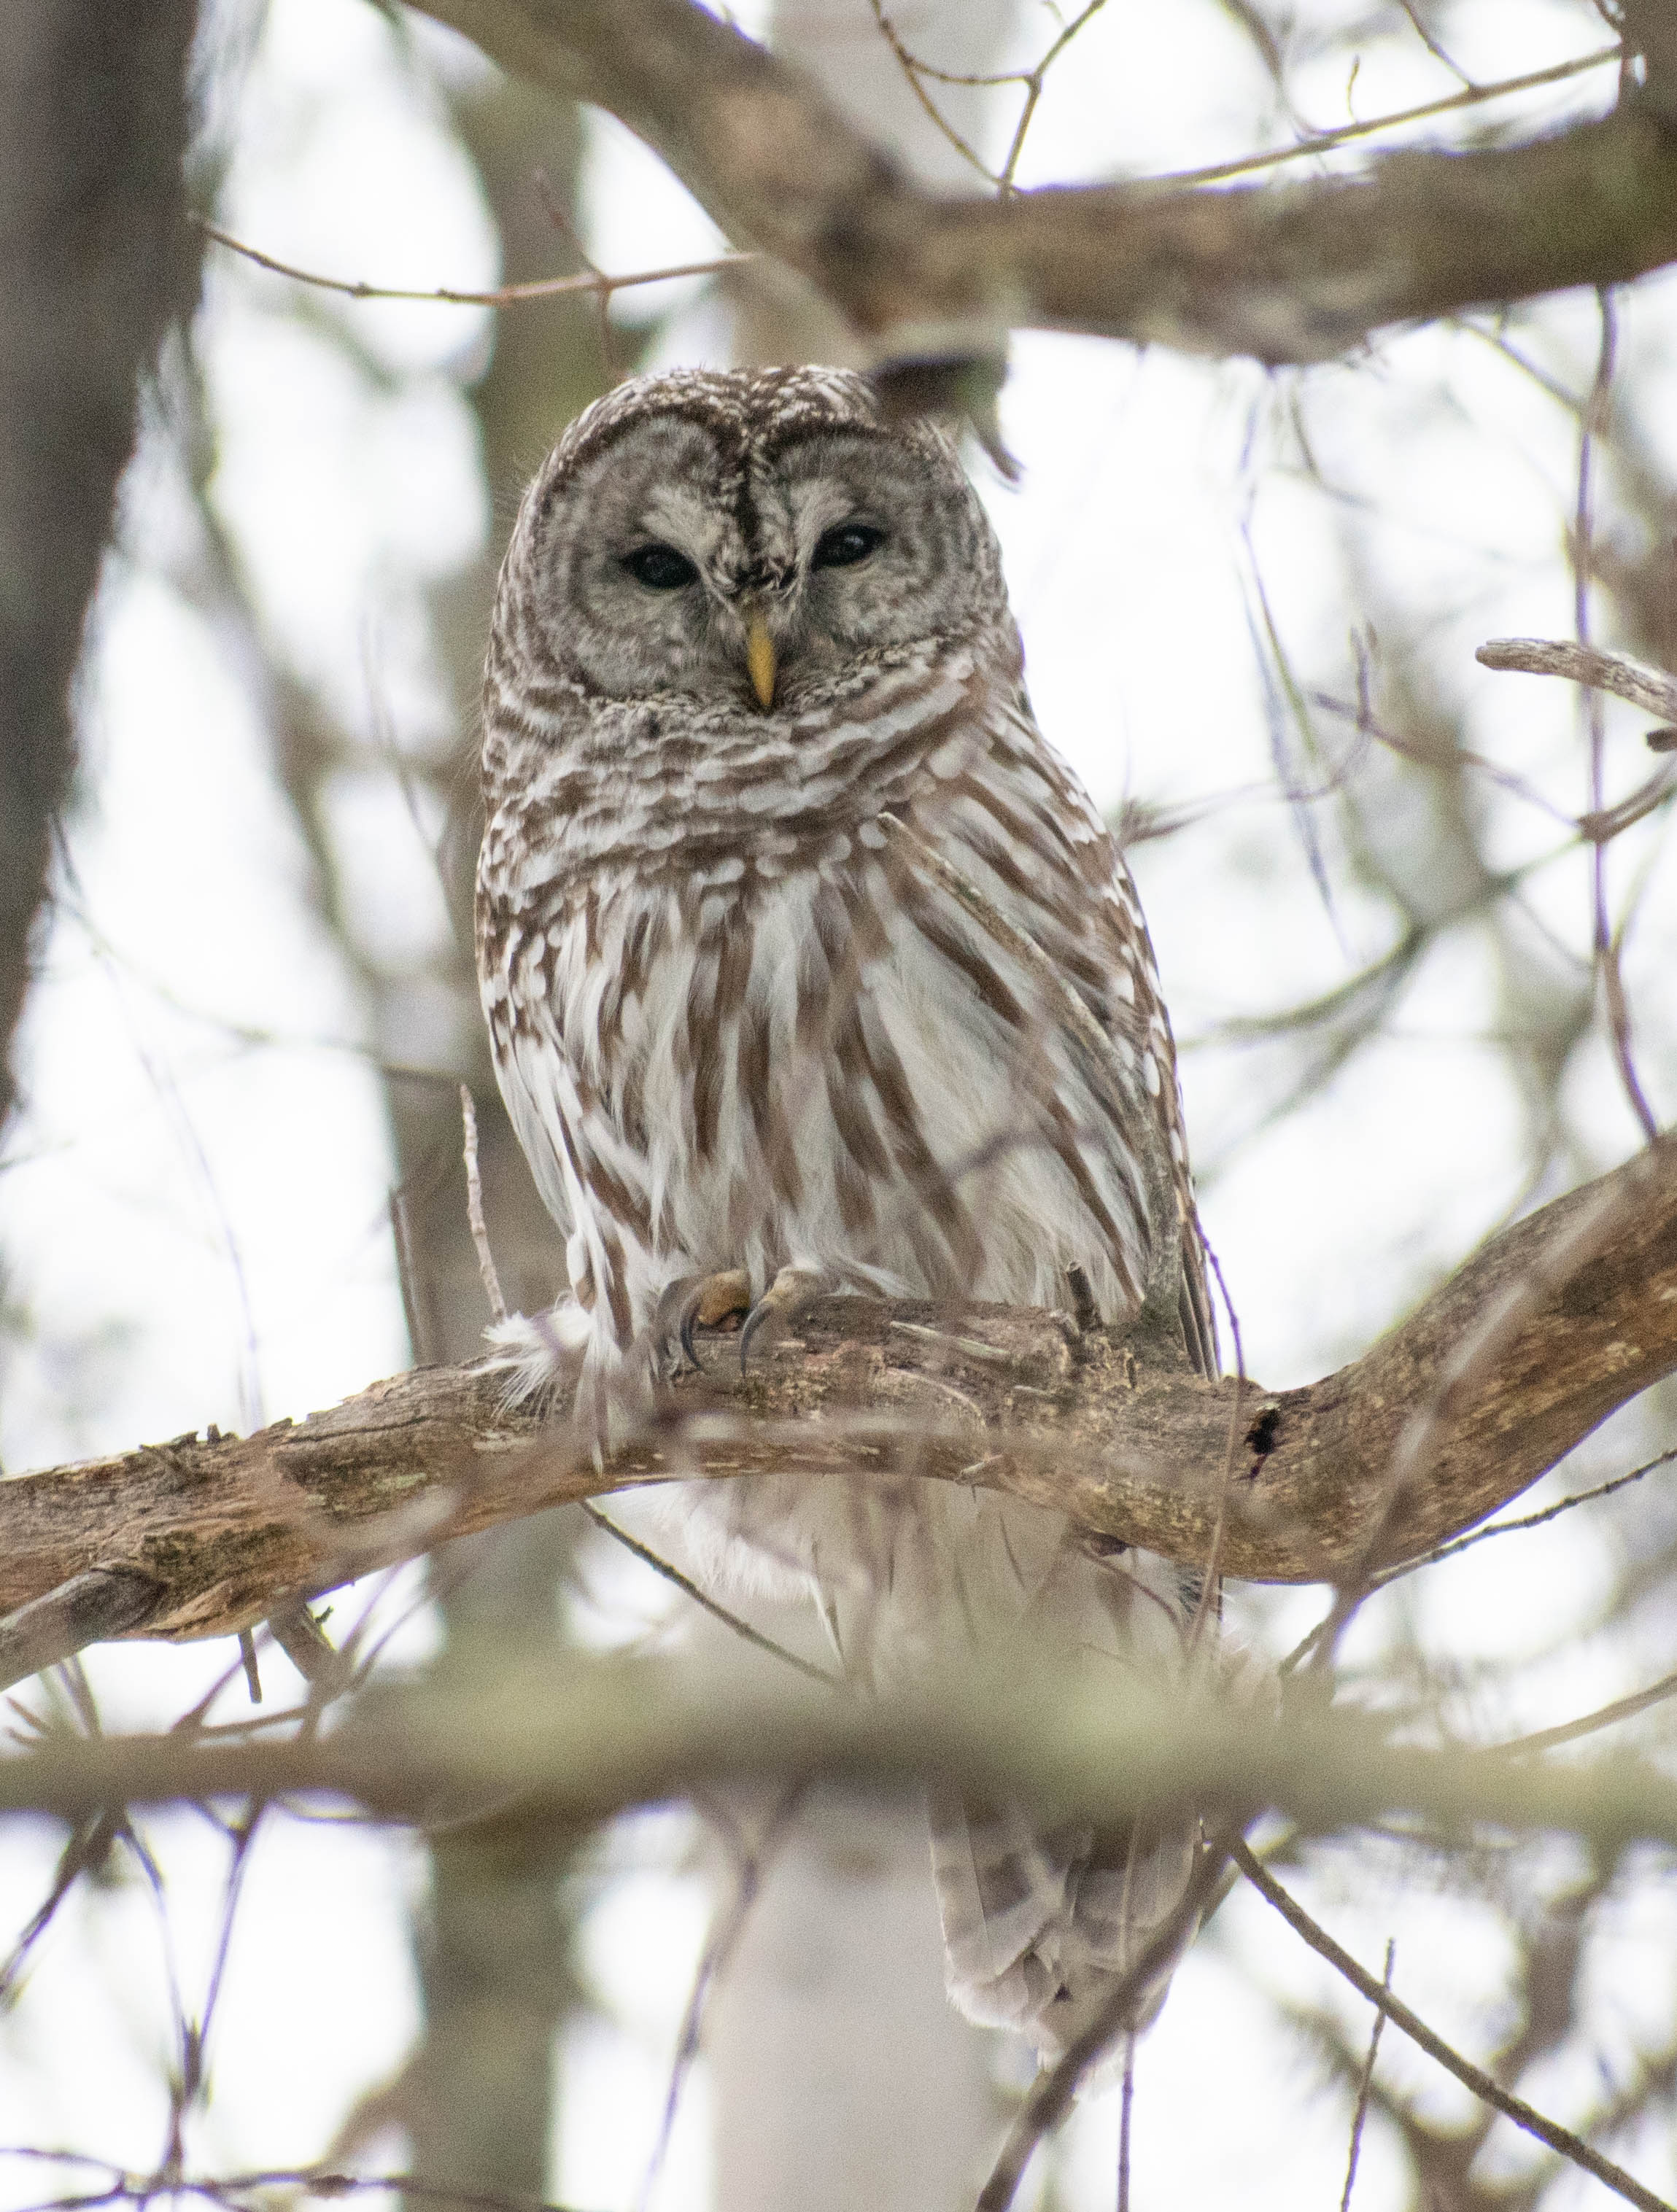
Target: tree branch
<point>1290,273</point>
<point>1577,1304</point>
<point>575,1741</point>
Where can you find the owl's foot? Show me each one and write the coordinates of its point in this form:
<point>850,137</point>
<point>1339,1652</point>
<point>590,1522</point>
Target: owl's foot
<point>792,1290</point>
<point>697,1301</point>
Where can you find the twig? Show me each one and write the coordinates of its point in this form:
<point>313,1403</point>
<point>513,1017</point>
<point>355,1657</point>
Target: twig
<point>969,1348</point>
<point>1506,779</point>
<point>1651,689</point>
<point>505,296</point>
<point>305,1643</point>
<point>248,1659</point>
<point>1604,940</point>
<point>1367,2082</point>
<point>1621,1709</point>
<point>480,1232</point>
<point>406,1282</point>
<point>316,2181</point>
<point>1472,2077</point>
<point>916,72</point>
<point>87,1846</point>
<point>1324,142</point>
<point>718,1612</point>
<point>1433,45</point>
<point>559,216</point>
<point>1530,1520</point>
<point>1034,91</point>
<point>1210,1582</point>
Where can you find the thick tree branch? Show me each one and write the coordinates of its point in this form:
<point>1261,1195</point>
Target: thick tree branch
<point>1295,272</point>
<point>1543,1333</point>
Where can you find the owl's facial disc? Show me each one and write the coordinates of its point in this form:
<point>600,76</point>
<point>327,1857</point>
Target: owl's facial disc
<point>679,565</point>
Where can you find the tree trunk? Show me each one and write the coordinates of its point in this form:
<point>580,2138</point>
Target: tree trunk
<point>841,2075</point>
<point>98,258</point>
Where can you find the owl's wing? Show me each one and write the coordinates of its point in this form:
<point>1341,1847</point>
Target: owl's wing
<point>1017,818</point>
<point>533,1077</point>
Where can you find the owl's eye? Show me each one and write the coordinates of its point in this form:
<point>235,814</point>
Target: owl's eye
<point>845,545</point>
<point>659,568</point>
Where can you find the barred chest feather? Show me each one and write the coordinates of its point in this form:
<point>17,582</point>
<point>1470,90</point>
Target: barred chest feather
<point>736,1042</point>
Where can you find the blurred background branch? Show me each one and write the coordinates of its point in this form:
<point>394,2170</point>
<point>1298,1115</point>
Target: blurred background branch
<point>529,1739</point>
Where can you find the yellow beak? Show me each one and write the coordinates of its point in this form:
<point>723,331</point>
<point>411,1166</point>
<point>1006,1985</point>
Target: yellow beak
<point>760,659</point>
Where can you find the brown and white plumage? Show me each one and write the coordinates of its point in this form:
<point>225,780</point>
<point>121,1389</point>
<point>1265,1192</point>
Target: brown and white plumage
<point>854,983</point>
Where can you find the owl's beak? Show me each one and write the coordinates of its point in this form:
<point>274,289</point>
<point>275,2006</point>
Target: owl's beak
<point>760,658</point>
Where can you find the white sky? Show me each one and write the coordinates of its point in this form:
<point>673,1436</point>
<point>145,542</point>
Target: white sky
<point>192,1208</point>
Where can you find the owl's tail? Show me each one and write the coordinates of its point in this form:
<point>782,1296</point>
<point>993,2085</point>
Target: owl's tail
<point>1041,1924</point>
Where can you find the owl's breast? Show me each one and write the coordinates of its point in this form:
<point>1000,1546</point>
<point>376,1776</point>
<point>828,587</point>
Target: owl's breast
<point>750,1023</point>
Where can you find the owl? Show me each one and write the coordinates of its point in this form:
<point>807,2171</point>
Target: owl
<point>809,965</point>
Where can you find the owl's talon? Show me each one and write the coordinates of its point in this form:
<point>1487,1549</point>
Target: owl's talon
<point>786,1297</point>
<point>698,1301</point>
<point>690,1350</point>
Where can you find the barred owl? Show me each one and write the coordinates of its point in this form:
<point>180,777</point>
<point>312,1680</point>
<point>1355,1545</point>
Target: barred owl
<point>806,963</point>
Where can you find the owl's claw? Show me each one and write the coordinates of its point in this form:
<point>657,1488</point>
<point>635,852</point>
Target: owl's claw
<point>699,1300</point>
<point>791,1292</point>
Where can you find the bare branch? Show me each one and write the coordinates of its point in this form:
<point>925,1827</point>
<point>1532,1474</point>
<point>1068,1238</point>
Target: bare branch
<point>719,1947</point>
<point>1345,134</point>
<point>1621,1709</point>
<point>228,2189</point>
<point>1299,273</point>
<point>1476,1354</point>
<point>1119,1435</point>
<point>1538,1519</point>
<point>1488,2091</point>
<point>504,295</point>
<point>480,1228</point>
<point>689,1588</point>
<point>1359,2116</point>
<point>1651,689</point>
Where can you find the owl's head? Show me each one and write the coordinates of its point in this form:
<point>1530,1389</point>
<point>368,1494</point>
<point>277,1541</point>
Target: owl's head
<point>745,539</point>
